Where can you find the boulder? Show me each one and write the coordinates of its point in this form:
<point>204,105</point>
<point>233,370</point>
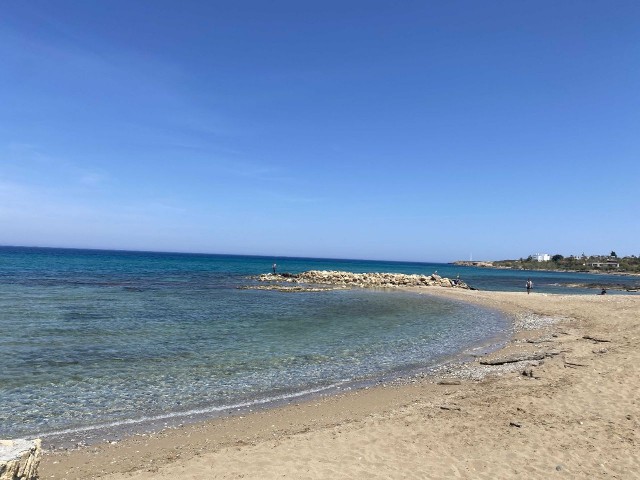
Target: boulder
<point>19,459</point>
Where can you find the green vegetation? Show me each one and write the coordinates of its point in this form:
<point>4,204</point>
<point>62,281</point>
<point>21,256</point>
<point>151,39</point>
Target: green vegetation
<point>603,263</point>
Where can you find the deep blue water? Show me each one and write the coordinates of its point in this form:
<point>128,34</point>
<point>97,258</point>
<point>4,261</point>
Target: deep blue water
<point>100,337</point>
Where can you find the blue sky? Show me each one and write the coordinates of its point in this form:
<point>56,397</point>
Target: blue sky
<point>417,130</point>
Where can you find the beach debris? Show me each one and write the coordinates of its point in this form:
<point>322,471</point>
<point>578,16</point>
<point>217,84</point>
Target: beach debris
<point>371,279</point>
<point>517,357</point>
<point>538,340</point>
<point>596,339</point>
<point>19,459</point>
<point>448,382</point>
<point>528,372</point>
<point>515,424</point>
<point>532,321</point>
<point>600,350</point>
<point>572,364</point>
<point>450,407</point>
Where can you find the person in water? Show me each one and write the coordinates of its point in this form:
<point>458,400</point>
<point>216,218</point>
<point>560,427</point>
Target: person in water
<point>274,268</point>
<point>529,286</point>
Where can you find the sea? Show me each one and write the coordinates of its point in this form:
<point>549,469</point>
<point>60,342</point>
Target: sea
<point>96,343</point>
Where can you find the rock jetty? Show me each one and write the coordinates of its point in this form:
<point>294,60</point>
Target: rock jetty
<point>370,280</point>
<point>19,459</point>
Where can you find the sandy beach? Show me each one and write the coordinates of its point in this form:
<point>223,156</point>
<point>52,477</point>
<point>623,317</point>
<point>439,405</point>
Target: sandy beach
<point>572,410</point>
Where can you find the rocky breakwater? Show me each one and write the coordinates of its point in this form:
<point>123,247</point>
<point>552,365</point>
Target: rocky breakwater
<point>19,459</point>
<point>364,280</point>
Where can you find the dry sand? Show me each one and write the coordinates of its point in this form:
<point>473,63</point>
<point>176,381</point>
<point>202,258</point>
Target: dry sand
<point>575,414</point>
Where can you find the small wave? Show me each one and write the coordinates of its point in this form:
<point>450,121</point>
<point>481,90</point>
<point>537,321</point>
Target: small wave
<point>190,413</point>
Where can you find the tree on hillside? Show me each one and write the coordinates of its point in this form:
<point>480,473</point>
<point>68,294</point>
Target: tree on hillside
<point>557,258</point>
<point>613,254</point>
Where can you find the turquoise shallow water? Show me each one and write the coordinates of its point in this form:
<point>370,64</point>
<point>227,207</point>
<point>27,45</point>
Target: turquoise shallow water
<point>91,338</point>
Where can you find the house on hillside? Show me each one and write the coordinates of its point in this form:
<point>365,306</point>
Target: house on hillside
<point>541,257</point>
<point>607,264</point>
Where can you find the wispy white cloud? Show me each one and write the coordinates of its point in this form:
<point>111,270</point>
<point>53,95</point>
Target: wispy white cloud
<point>18,153</point>
<point>93,179</point>
<point>247,169</point>
<point>30,215</point>
<point>24,203</point>
<point>154,208</point>
<point>28,163</point>
<point>293,198</point>
<point>90,73</point>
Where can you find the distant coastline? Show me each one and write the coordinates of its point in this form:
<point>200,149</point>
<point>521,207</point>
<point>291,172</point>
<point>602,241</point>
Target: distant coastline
<point>542,266</point>
<point>470,263</point>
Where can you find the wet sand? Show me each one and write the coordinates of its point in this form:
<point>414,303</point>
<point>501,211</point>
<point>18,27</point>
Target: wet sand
<point>572,411</point>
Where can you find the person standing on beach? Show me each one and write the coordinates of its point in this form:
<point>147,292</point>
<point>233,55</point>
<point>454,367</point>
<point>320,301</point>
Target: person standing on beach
<point>529,286</point>
<point>274,268</point>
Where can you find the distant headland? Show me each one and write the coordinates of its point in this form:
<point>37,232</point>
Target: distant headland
<point>574,263</point>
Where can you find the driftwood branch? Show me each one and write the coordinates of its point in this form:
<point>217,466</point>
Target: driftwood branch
<point>518,357</point>
<point>449,382</point>
<point>448,407</point>
<point>596,339</point>
<point>571,364</point>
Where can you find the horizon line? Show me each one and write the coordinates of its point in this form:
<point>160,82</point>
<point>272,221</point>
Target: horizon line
<point>124,250</point>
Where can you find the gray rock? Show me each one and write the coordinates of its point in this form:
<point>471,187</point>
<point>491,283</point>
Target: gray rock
<point>19,459</point>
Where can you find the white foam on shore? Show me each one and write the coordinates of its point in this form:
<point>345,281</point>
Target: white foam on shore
<point>13,449</point>
<point>190,413</point>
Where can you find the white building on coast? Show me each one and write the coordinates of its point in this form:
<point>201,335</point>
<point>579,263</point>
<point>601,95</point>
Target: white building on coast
<point>541,257</point>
